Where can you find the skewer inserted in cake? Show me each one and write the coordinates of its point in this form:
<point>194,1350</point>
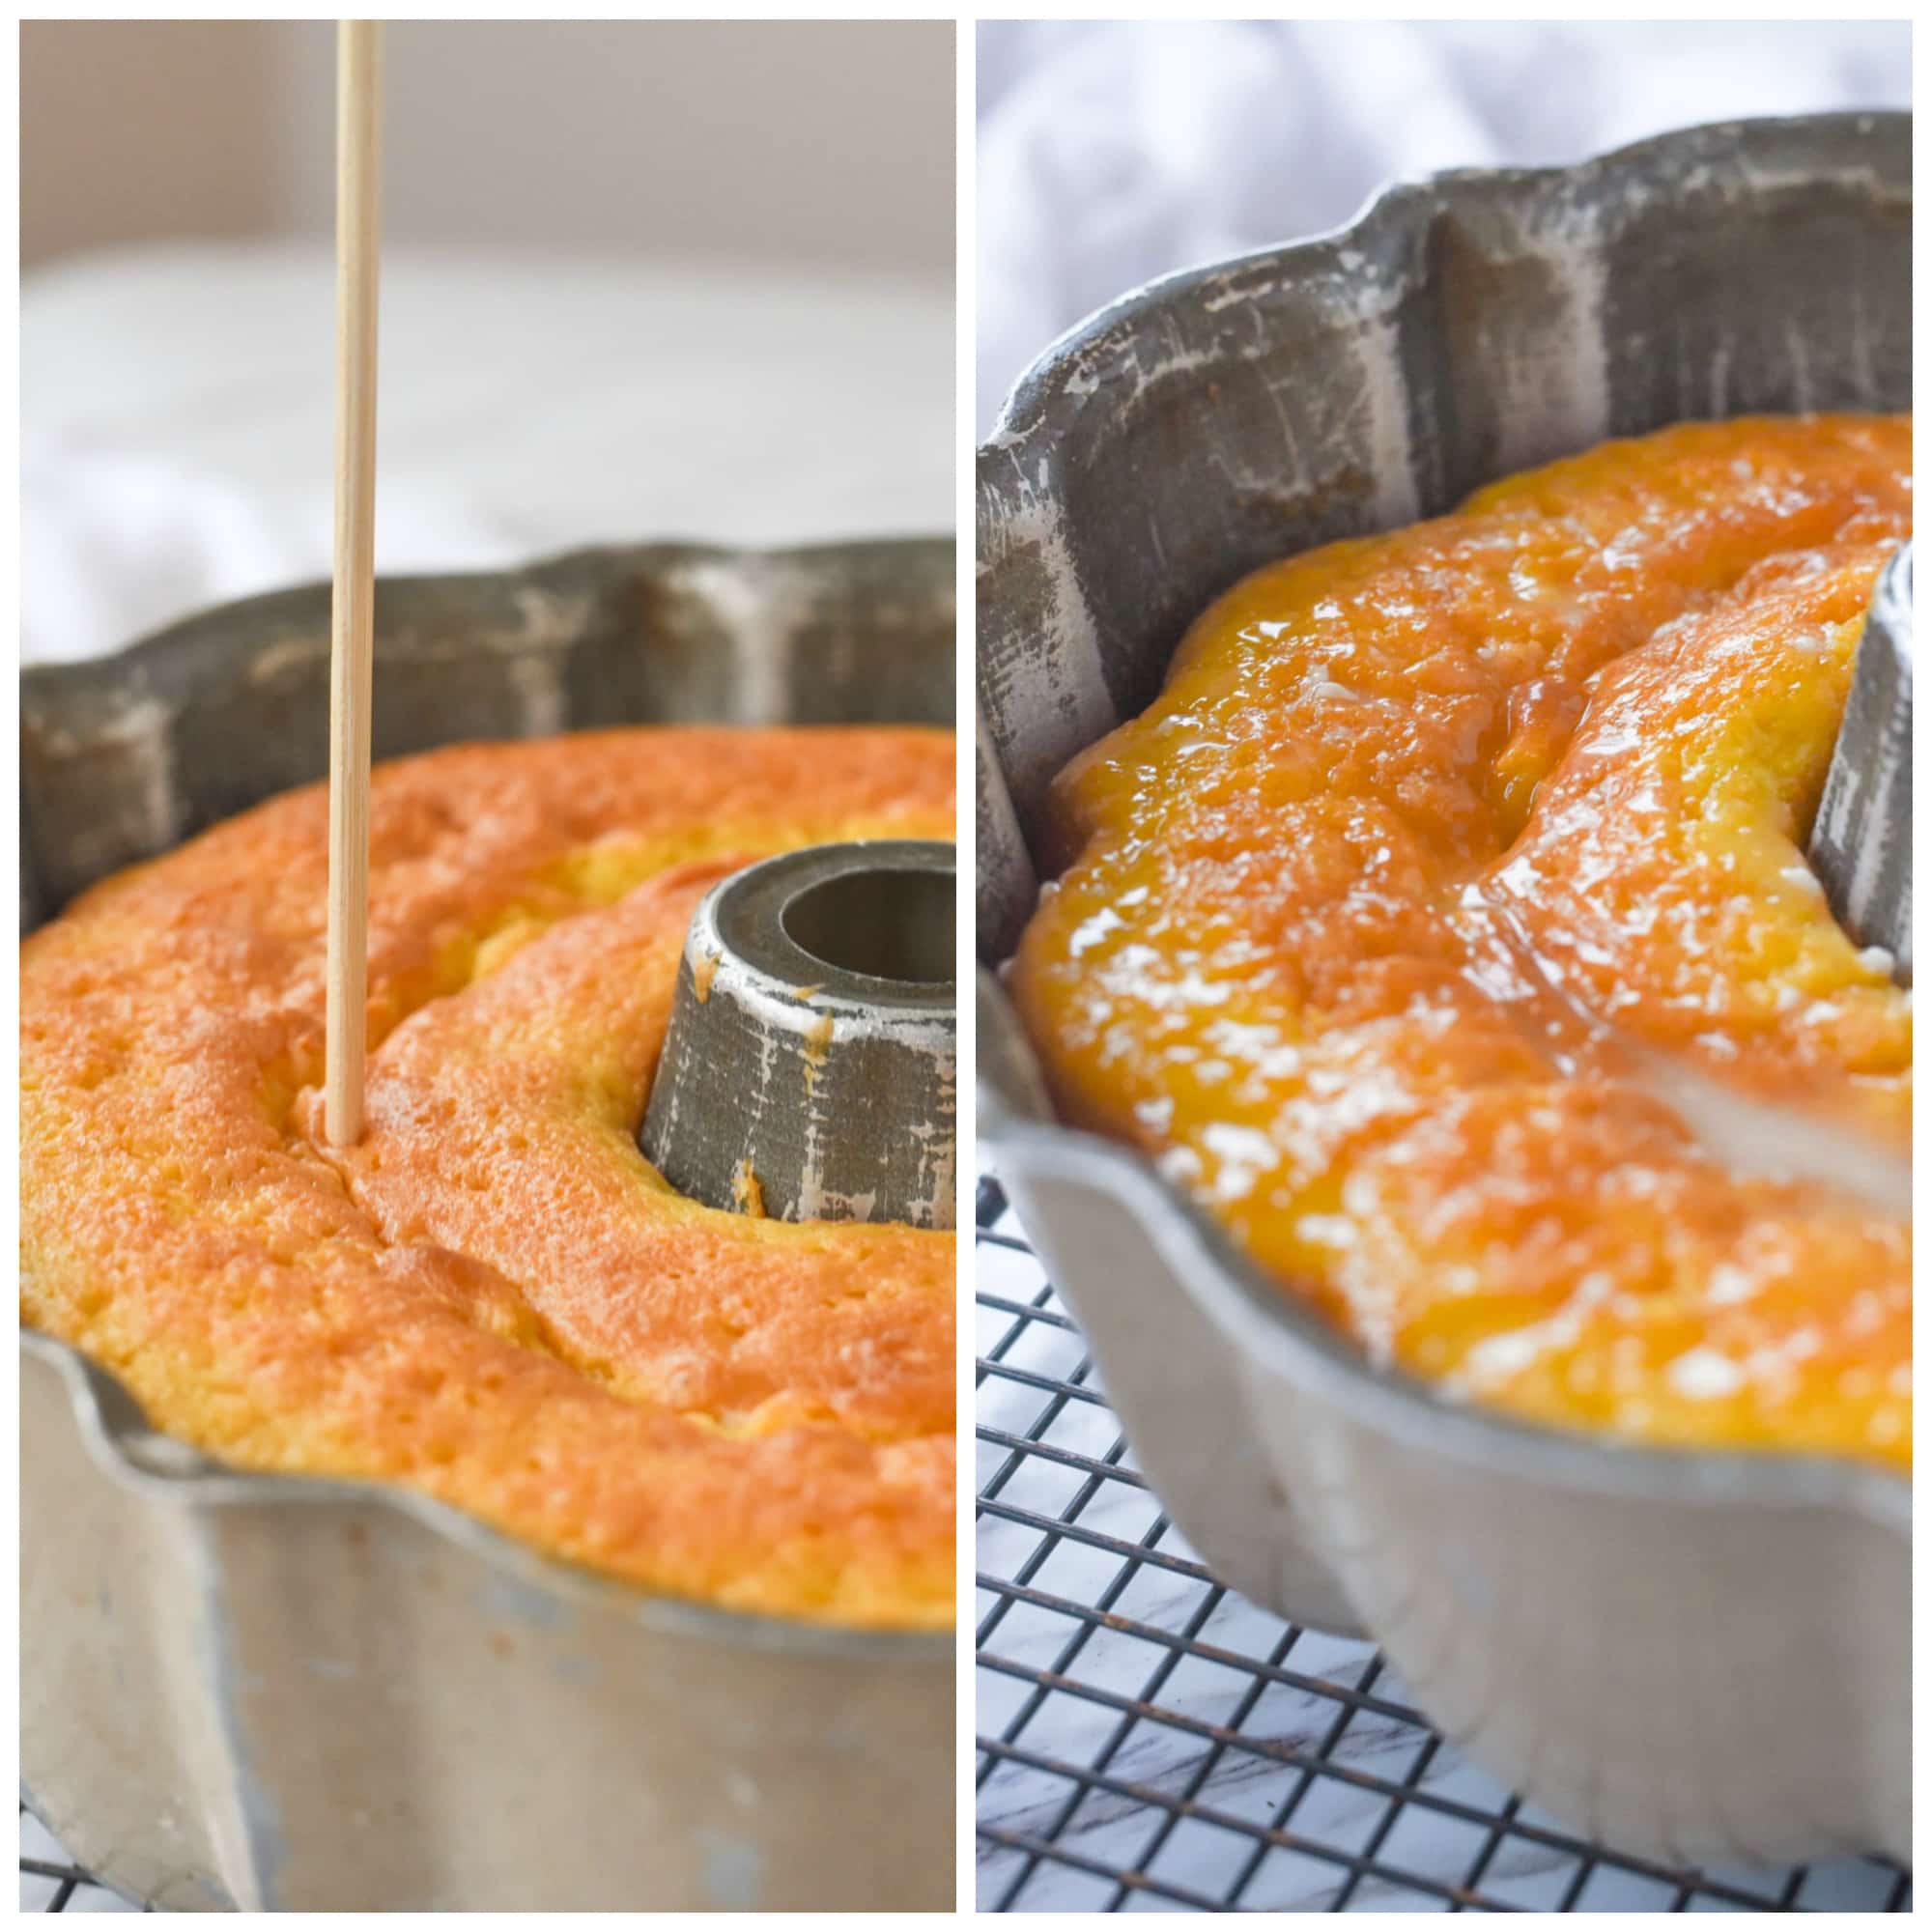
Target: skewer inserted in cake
<point>810,1070</point>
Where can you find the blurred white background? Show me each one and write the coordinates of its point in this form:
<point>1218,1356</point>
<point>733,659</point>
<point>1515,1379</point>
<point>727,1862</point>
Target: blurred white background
<point>1111,152</point>
<point>825,142</point>
<point>686,279</point>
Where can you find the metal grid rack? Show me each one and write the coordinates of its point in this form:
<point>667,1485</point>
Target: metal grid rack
<point>1150,1742</point>
<point>51,1882</point>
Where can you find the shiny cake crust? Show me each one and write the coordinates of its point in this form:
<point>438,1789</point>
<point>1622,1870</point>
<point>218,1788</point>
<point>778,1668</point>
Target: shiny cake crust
<point>493,1297</point>
<point>1441,921</point>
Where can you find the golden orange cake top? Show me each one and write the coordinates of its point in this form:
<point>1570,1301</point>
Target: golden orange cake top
<point>493,1296</point>
<point>1445,929</point>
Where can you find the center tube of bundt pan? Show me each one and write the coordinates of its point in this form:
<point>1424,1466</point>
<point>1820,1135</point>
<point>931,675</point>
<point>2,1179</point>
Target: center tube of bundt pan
<point>809,1069</point>
<point>1862,840</point>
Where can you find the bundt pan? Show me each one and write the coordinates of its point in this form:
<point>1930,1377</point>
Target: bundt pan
<point>281,1693</point>
<point>1688,1655</point>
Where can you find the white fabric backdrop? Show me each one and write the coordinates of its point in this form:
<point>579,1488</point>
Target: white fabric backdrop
<point>176,420</point>
<point>1113,152</point>
<point>175,411</point>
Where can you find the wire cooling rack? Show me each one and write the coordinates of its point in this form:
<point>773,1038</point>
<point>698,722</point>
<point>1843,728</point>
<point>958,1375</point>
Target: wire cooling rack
<point>1150,1742</point>
<point>51,1882</point>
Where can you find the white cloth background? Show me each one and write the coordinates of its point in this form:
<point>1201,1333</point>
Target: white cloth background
<point>1111,152</point>
<point>174,403</point>
<point>177,425</point>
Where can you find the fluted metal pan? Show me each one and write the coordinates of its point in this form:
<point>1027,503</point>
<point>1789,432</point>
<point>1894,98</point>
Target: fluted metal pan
<point>1692,1655</point>
<point>299,1693</point>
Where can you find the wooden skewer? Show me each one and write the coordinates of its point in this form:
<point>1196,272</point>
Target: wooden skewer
<point>357,175</point>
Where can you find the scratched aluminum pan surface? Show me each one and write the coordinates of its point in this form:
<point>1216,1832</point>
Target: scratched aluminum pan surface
<point>299,1693</point>
<point>1692,1655</point>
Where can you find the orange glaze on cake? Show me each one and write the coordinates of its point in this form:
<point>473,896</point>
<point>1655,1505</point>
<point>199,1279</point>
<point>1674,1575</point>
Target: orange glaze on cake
<point>1448,864</point>
<point>493,1297</point>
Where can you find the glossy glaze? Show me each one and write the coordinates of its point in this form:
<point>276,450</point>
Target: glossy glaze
<point>1444,927</point>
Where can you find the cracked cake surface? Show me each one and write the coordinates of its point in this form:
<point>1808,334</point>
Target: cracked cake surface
<point>493,1296</point>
